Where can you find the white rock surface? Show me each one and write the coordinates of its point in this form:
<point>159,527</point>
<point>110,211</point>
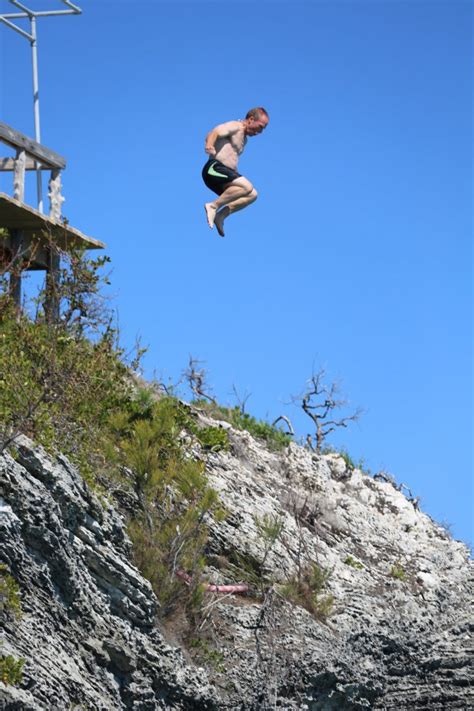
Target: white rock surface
<point>87,633</point>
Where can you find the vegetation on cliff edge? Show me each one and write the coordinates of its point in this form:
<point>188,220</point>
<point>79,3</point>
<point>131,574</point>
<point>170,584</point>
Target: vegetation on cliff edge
<point>72,388</point>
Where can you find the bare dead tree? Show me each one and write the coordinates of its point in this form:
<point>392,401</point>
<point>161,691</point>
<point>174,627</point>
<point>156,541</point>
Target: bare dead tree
<point>161,387</point>
<point>389,479</point>
<point>196,379</point>
<point>319,402</point>
<point>285,419</point>
<point>241,401</point>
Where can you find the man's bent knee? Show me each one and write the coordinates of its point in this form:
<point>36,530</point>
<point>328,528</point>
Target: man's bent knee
<point>243,183</point>
<point>253,195</point>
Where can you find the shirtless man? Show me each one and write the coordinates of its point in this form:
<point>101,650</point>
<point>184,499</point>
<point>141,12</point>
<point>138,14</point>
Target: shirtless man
<point>224,145</point>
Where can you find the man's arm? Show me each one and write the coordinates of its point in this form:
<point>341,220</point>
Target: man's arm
<point>223,130</point>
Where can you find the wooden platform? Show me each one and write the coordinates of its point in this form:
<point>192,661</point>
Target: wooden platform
<point>15,215</point>
<point>38,229</point>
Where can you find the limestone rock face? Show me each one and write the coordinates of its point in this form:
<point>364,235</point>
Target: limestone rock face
<point>87,631</point>
<point>399,635</point>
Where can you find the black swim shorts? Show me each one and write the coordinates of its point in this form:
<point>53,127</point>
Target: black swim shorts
<point>217,176</point>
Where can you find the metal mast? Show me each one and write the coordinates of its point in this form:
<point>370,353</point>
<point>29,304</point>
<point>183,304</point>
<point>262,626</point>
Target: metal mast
<point>32,38</point>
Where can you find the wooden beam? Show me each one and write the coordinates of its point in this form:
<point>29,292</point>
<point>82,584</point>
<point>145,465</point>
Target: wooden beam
<point>18,140</point>
<point>8,164</point>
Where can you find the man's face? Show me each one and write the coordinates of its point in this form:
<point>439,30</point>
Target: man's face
<point>256,125</point>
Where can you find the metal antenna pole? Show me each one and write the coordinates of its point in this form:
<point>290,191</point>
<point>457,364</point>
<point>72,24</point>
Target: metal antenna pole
<point>34,59</point>
<point>32,38</point>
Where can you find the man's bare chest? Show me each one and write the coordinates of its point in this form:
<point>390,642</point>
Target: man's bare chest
<point>238,141</point>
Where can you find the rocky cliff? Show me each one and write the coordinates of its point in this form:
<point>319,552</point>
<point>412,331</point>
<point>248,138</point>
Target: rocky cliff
<point>389,627</point>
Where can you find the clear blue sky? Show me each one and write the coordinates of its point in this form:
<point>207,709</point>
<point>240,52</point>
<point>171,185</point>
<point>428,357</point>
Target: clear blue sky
<point>357,255</point>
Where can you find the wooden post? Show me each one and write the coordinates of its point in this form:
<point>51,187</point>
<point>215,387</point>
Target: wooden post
<point>15,271</point>
<point>51,301</point>
<point>55,198</point>
<point>19,175</point>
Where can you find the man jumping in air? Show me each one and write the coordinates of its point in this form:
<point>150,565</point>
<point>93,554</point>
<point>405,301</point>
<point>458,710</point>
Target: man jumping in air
<point>224,145</point>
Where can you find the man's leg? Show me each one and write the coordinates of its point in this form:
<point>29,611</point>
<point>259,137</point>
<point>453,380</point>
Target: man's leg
<point>237,189</point>
<point>233,206</point>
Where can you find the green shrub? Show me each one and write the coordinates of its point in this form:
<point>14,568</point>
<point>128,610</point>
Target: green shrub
<point>244,567</point>
<point>398,572</point>
<point>9,593</point>
<point>70,387</point>
<point>60,382</point>
<point>170,534</point>
<point>353,563</point>
<point>270,528</point>
<point>350,464</point>
<point>11,670</point>
<point>274,438</point>
<point>165,545</point>
<point>206,655</point>
<point>58,387</point>
<point>213,439</point>
<point>77,395</point>
<point>142,402</point>
<point>306,588</point>
<point>343,453</point>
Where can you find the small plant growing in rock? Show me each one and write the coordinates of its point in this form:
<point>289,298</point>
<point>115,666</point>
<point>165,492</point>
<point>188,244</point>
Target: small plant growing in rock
<point>306,588</point>
<point>10,667</point>
<point>398,572</point>
<point>251,568</point>
<point>212,439</point>
<point>346,456</point>
<point>350,464</point>
<point>274,437</point>
<point>207,655</point>
<point>270,527</point>
<point>353,563</point>
<point>11,670</point>
<point>244,567</point>
<point>9,593</point>
<point>171,536</point>
<point>143,401</point>
<point>364,468</point>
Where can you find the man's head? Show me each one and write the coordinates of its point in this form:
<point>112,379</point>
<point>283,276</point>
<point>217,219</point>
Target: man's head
<point>255,121</point>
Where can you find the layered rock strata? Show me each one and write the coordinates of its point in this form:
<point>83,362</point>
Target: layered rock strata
<point>87,631</point>
<point>399,635</point>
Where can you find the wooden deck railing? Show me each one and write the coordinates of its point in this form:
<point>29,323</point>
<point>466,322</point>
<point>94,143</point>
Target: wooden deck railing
<point>31,155</point>
<point>27,243</point>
